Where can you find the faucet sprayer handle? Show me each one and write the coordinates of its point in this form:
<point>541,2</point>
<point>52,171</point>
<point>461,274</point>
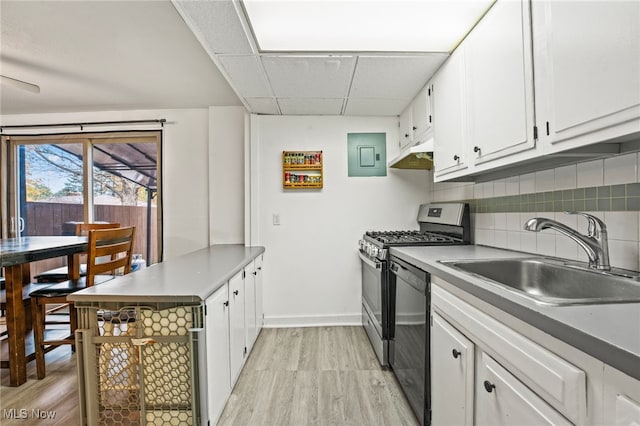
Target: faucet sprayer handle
<point>594,223</point>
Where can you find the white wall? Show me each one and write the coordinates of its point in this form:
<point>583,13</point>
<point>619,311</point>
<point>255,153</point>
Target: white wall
<point>226,175</point>
<point>312,270</point>
<point>185,171</point>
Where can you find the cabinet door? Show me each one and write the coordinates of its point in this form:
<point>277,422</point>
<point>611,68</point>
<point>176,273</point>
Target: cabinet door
<point>237,350</point>
<point>499,82</point>
<point>217,335</point>
<point>449,107</point>
<point>621,398</point>
<point>259,294</point>
<point>587,67</point>
<point>406,130</point>
<point>452,372</point>
<point>250,306</point>
<point>421,114</point>
<point>501,399</point>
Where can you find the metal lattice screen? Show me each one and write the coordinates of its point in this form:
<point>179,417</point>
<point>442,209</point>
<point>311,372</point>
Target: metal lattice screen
<point>144,365</point>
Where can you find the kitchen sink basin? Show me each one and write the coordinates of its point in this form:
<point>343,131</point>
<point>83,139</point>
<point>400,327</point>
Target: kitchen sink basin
<point>553,282</point>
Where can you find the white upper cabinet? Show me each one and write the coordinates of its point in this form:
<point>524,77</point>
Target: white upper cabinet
<point>450,131</point>
<point>422,114</point>
<point>499,89</point>
<point>587,71</point>
<point>406,128</point>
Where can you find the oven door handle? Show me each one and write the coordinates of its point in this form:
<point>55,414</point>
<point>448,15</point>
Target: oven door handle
<point>365,259</point>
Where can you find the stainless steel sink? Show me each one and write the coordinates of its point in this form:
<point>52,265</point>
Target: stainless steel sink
<point>554,282</point>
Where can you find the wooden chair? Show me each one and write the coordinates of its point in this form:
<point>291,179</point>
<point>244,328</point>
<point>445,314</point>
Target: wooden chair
<point>109,250</point>
<point>62,273</point>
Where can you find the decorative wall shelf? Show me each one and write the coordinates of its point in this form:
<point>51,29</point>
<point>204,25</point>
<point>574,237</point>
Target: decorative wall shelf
<point>302,169</point>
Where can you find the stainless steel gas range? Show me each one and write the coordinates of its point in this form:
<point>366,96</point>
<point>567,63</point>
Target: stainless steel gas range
<point>396,297</point>
<point>440,224</point>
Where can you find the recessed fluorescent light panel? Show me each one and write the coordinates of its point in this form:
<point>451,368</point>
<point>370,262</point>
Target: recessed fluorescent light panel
<point>363,25</point>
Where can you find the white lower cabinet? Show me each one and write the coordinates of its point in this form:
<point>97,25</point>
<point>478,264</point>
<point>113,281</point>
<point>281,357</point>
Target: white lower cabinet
<point>452,374</point>
<point>258,264</point>
<point>501,399</point>
<point>621,398</point>
<point>237,347</point>
<point>250,320</point>
<point>499,376</point>
<point>217,335</point>
<point>233,320</point>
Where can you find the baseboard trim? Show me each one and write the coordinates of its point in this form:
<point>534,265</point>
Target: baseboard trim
<point>313,320</point>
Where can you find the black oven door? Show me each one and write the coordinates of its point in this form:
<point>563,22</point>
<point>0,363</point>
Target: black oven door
<point>409,334</point>
<point>374,304</point>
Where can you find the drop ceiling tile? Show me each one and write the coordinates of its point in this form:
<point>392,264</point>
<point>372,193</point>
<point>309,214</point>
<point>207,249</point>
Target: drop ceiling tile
<point>246,75</point>
<point>375,107</point>
<point>309,76</point>
<point>216,24</point>
<point>263,106</point>
<point>393,77</point>
<point>310,106</point>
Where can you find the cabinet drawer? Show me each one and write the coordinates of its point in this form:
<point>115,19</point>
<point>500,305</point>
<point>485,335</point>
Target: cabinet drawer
<point>501,399</point>
<point>558,382</point>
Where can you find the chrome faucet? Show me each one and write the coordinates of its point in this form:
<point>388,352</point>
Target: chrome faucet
<point>594,243</point>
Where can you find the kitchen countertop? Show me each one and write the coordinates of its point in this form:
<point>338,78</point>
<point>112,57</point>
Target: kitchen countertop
<point>190,278</point>
<point>608,332</point>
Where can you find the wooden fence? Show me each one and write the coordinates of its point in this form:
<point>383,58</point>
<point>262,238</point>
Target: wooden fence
<point>49,219</point>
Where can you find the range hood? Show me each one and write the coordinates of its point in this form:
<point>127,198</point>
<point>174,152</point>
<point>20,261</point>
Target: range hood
<point>415,157</point>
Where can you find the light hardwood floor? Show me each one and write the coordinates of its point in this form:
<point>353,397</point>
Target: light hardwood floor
<point>294,376</point>
<point>315,376</point>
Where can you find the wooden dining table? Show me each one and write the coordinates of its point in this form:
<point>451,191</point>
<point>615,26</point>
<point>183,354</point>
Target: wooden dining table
<point>15,256</point>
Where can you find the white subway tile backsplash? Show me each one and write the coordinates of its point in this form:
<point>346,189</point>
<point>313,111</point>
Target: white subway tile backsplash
<point>505,230</point>
<point>590,173</point>
<point>500,239</point>
<point>512,185</point>
<point>545,244</point>
<point>478,191</point>
<point>622,225</point>
<point>527,183</point>
<point>545,180</point>
<point>624,254</point>
<point>566,177</point>
<point>566,248</point>
<point>484,221</point>
<point>513,222</point>
<point>513,240</point>
<point>528,242</point>
<point>621,169</point>
<point>484,237</point>
<point>571,220</point>
<point>500,221</point>
<point>487,189</point>
<point>499,188</point>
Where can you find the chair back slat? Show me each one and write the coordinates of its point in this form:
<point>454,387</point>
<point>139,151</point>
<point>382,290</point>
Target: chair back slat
<point>82,229</point>
<point>109,250</point>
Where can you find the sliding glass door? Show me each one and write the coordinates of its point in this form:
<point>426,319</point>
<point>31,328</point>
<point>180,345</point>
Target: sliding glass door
<point>56,181</point>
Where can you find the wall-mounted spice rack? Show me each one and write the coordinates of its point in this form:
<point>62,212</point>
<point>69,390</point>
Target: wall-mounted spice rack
<point>302,169</point>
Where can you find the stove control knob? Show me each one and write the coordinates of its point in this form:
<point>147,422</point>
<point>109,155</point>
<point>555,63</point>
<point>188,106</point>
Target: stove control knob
<point>374,251</point>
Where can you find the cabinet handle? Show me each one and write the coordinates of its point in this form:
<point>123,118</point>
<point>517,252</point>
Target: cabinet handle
<point>456,158</point>
<point>254,273</point>
<point>476,149</point>
<point>235,292</point>
<point>259,268</point>
<point>406,135</point>
<point>414,128</point>
<point>225,303</point>
<point>456,353</point>
<point>488,386</point>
